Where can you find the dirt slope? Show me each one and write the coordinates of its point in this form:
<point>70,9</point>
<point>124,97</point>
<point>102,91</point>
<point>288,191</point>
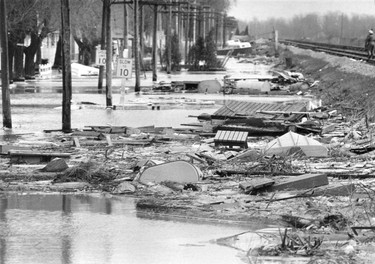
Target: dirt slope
<point>343,83</point>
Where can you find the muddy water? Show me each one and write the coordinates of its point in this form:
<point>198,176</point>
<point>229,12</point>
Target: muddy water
<point>54,228</point>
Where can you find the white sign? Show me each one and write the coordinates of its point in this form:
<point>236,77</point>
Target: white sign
<point>124,68</point>
<point>100,58</point>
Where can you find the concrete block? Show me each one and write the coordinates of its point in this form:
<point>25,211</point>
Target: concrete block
<point>305,181</point>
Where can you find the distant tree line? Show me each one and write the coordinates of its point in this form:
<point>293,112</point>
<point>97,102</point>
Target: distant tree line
<point>333,27</point>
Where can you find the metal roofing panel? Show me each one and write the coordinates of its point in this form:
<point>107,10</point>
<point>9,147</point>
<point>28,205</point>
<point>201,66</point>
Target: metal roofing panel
<point>232,108</point>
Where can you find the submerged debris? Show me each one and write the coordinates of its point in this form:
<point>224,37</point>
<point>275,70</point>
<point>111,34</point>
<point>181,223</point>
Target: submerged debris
<point>90,172</point>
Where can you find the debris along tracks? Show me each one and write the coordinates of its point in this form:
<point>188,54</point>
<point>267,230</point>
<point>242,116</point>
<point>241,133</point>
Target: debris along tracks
<point>353,52</point>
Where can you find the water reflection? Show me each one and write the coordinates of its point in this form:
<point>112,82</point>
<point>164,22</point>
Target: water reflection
<point>3,208</point>
<point>66,243</point>
<point>54,228</point>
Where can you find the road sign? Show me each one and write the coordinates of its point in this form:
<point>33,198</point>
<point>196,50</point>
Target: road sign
<point>124,68</point>
<point>100,58</point>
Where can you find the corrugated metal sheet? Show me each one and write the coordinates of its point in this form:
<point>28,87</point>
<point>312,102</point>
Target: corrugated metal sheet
<point>232,108</point>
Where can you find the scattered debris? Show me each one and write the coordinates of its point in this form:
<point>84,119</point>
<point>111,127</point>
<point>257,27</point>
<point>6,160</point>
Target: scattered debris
<point>305,181</point>
<point>56,165</point>
<point>176,171</point>
<point>33,157</point>
<point>231,138</point>
<point>292,143</point>
<point>255,185</point>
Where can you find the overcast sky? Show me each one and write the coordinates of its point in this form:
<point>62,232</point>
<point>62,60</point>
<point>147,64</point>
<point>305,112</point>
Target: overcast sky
<point>264,9</point>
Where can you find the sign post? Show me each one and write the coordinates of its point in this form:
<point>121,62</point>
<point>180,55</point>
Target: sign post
<point>124,68</point>
<point>124,71</point>
<point>100,58</point>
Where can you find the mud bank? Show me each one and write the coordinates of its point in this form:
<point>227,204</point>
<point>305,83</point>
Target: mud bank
<point>343,82</point>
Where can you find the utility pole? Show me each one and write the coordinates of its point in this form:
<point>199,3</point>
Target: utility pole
<point>204,22</point>
<point>102,47</point>
<point>155,45</point>
<point>187,28</point>
<point>217,29</point>
<point>180,26</point>
<point>221,19</point>
<point>66,67</point>
<point>7,118</point>
<point>141,31</point>
<point>108,63</point>
<point>194,22</point>
<point>224,29</point>
<point>342,27</point>
<point>169,37</point>
<point>179,22</point>
<point>276,40</point>
<point>126,48</point>
<point>136,48</point>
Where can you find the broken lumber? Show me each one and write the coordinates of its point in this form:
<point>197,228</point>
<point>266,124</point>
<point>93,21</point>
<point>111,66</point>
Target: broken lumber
<point>305,181</point>
<point>4,149</point>
<point>231,138</point>
<point>335,189</point>
<point>255,185</point>
<point>19,156</point>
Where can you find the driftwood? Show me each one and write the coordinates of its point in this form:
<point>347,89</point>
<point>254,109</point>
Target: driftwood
<point>224,173</point>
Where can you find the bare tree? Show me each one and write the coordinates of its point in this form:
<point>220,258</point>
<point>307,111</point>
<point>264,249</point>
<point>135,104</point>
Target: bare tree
<point>86,19</point>
<point>33,18</point>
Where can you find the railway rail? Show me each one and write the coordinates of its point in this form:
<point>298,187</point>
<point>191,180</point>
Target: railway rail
<point>357,53</point>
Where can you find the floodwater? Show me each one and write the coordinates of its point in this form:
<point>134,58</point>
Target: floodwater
<point>67,228</point>
<point>36,104</point>
<point>64,228</point>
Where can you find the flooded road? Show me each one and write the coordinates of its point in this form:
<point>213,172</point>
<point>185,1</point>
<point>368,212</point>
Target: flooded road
<point>58,228</point>
<point>63,228</point>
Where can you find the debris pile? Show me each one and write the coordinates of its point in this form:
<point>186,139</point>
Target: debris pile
<point>286,164</point>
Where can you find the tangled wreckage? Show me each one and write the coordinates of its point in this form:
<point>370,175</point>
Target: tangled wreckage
<point>244,162</point>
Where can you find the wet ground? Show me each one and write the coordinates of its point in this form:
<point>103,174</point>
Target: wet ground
<point>62,228</point>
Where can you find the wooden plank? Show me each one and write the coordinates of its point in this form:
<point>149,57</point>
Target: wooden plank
<point>86,134</point>
<point>34,157</point>
<point>195,157</point>
<point>305,181</point>
<point>218,135</point>
<point>226,133</point>
<point>255,185</point>
<point>239,136</point>
<point>109,141</point>
<point>235,136</point>
<point>230,136</point>
<point>76,142</point>
<point>222,136</point>
<point>34,153</point>
<point>335,189</point>
<point>244,136</point>
<point>4,149</point>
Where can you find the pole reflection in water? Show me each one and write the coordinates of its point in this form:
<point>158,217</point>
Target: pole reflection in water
<point>3,228</point>
<point>64,228</point>
<point>66,243</point>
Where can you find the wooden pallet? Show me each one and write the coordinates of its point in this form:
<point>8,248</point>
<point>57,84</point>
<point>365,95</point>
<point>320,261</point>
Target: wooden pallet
<point>32,157</point>
<point>231,138</point>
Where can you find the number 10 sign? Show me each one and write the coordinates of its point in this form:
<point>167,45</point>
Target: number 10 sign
<point>124,68</point>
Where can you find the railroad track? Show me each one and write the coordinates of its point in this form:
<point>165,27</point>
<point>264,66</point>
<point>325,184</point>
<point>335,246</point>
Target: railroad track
<point>357,53</point>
